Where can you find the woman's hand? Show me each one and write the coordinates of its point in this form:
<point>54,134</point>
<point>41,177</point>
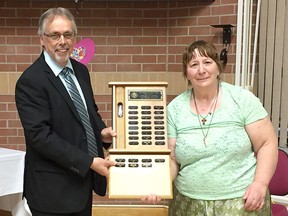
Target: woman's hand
<point>255,196</point>
<point>151,199</point>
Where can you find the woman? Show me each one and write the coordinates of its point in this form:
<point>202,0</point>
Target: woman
<point>223,145</point>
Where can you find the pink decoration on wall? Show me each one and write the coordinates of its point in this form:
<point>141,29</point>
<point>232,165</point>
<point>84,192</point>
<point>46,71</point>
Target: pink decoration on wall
<point>84,51</point>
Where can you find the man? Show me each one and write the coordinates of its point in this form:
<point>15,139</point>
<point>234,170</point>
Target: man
<point>60,169</point>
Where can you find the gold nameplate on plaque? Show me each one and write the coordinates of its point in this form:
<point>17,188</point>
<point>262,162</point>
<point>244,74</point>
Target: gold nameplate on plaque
<point>140,148</point>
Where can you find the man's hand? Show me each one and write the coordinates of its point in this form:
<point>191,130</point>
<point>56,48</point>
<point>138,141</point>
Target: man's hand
<point>102,166</point>
<point>107,134</point>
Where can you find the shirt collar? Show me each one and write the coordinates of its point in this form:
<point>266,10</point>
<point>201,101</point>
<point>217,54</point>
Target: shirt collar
<point>54,66</point>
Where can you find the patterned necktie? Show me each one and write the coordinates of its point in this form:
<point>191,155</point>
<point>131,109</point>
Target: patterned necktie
<point>78,102</point>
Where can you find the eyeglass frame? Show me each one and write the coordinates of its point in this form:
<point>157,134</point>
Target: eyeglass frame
<point>70,35</point>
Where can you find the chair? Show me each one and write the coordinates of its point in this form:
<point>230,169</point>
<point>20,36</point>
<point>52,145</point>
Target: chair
<point>278,186</point>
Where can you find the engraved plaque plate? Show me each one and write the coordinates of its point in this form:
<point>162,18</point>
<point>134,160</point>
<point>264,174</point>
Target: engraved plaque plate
<point>146,94</point>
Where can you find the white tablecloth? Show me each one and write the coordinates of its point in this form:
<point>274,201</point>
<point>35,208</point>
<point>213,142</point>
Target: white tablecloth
<point>11,182</point>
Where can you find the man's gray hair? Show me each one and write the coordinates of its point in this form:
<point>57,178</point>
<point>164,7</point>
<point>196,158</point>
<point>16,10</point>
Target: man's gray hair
<point>49,16</point>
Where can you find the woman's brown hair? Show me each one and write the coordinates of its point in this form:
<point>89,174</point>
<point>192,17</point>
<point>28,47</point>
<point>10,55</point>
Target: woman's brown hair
<point>205,49</point>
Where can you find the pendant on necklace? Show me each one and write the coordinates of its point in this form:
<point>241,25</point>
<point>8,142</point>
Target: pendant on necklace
<point>204,141</point>
<point>203,121</point>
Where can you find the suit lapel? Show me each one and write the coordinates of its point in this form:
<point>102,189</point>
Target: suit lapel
<point>57,83</point>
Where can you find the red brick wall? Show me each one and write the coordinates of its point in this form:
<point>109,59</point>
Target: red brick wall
<point>134,40</point>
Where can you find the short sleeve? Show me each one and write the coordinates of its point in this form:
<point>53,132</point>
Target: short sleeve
<point>171,128</point>
<point>252,108</point>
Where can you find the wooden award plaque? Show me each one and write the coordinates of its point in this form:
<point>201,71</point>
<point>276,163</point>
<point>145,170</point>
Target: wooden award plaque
<point>140,148</point>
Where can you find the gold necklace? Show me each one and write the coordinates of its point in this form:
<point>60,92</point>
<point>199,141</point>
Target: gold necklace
<point>203,120</point>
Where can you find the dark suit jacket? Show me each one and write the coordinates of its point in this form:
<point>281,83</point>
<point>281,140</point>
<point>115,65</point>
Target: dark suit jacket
<point>57,174</point>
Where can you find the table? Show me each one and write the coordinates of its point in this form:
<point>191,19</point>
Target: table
<point>11,182</point>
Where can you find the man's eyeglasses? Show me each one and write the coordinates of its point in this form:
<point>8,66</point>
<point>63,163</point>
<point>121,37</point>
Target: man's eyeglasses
<point>57,36</point>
